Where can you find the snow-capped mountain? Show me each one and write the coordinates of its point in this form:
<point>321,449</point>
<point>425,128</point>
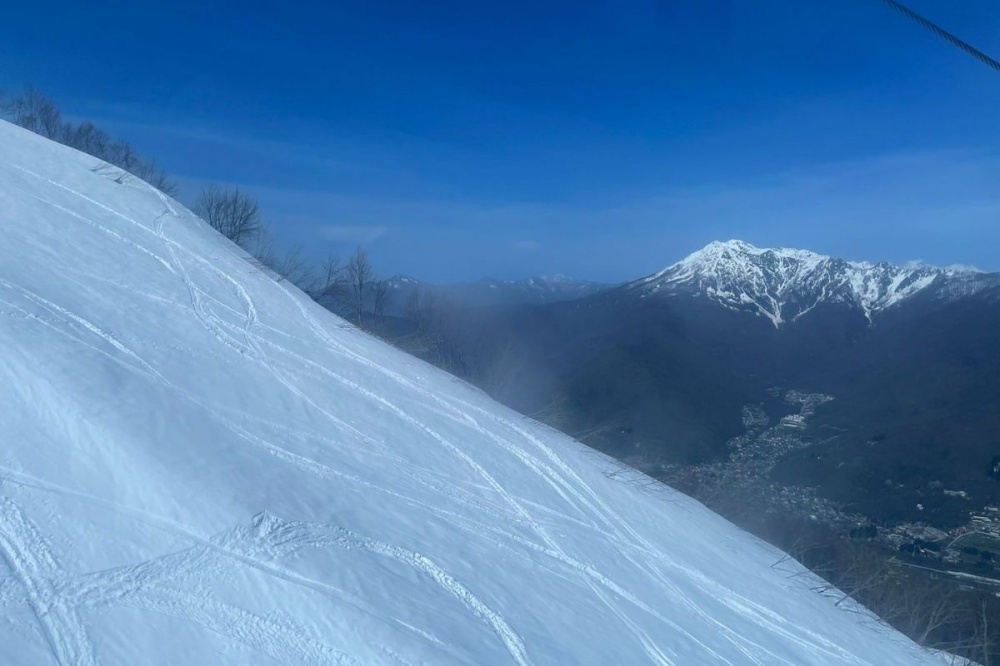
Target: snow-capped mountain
<point>784,284</point>
<point>199,465</point>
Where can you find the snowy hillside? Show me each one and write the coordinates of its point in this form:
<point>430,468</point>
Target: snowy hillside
<point>198,465</point>
<point>783,284</point>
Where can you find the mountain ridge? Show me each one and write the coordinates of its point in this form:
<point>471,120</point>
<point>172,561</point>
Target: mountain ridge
<point>487,291</point>
<point>784,284</point>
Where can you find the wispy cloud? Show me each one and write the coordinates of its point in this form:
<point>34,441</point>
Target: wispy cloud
<point>527,246</point>
<point>353,234</point>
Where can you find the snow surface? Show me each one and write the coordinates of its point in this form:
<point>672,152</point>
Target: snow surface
<point>201,466</point>
<point>783,284</point>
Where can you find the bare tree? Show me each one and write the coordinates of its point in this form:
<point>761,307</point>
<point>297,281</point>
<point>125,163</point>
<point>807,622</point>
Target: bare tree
<point>151,172</point>
<point>418,309</point>
<point>922,610</point>
<point>292,265</point>
<point>359,276</point>
<point>88,138</point>
<point>983,644</point>
<point>232,212</point>
<point>295,267</point>
<point>557,413</point>
<point>263,250</point>
<point>34,111</point>
<point>121,154</point>
<point>380,298</point>
<point>332,278</point>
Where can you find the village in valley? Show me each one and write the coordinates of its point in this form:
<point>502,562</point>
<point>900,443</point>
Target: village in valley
<point>970,551</point>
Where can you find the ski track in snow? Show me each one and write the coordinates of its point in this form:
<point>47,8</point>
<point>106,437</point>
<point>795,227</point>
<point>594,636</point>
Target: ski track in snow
<point>118,237</point>
<point>70,317</point>
<point>250,344</point>
<point>275,532</point>
<point>282,641</point>
<point>55,598</point>
<point>35,571</point>
<point>219,555</point>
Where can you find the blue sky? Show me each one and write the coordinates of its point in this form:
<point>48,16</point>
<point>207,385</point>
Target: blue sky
<point>602,140</point>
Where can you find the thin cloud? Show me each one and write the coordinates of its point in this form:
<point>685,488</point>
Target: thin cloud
<point>527,246</point>
<point>359,234</point>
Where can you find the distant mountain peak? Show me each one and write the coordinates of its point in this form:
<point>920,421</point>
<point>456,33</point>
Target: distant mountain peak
<point>488,291</point>
<point>402,279</point>
<point>783,284</point>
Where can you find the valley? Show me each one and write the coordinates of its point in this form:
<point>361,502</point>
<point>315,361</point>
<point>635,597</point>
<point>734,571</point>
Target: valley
<point>845,412</point>
<point>742,485</point>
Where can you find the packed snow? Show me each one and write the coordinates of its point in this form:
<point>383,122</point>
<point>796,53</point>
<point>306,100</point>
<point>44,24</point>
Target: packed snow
<point>783,284</point>
<point>202,466</point>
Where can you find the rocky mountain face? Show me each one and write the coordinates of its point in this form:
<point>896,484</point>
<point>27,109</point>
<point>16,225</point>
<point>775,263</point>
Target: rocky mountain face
<point>782,284</point>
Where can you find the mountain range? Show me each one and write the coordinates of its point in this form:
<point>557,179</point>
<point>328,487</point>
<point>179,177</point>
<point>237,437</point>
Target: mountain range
<point>782,284</point>
<point>406,291</point>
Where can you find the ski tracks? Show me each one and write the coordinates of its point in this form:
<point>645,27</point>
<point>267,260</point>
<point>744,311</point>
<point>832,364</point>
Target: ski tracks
<point>653,651</point>
<point>55,598</point>
<point>249,346</point>
<point>121,239</point>
<point>151,586</point>
<point>273,530</point>
<point>80,322</point>
<point>35,570</point>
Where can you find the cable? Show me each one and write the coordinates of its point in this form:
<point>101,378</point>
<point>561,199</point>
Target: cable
<point>944,34</point>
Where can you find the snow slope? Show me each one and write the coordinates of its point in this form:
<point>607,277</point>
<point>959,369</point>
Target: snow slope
<point>783,284</point>
<point>198,465</point>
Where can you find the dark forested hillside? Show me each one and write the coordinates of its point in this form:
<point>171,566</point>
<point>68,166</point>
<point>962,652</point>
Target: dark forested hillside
<point>665,380</point>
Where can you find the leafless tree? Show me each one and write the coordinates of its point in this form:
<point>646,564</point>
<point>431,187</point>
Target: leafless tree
<point>332,279</point>
<point>923,610</point>
<point>88,138</point>
<point>983,645</point>
<point>232,212</point>
<point>429,310</point>
<point>34,111</point>
<point>121,154</point>
<point>295,267</point>
<point>151,172</point>
<point>292,265</point>
<point>418,310</point>
<point>380,298</point>
<point>557,413</point>
<point>359,276</point>
<point>866,571</point>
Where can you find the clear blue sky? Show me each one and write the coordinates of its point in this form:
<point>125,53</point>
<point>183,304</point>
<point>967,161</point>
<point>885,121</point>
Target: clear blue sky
<point>602,140</point>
